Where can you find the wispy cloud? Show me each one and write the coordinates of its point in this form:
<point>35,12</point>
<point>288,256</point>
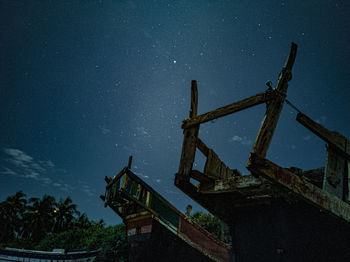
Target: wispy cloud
<point>8,172</point>
<point>87,189</point>
<point>241,140</point>
<point>18,155</point>
<point>23,165</point>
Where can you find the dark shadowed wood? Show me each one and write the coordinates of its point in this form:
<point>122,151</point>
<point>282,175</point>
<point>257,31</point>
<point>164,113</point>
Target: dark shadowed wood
<point>189,141</point>
<point>274,109</point>
<point>281,176</point>
<point>229,109</point>
<point>315,176</point>
<point>215,168</point>
<point>335,174</point>
<point>194,99</point>
<point>199,176</point>
<point>202,147</point>
<point>213,165</point>
<point>130,162</point>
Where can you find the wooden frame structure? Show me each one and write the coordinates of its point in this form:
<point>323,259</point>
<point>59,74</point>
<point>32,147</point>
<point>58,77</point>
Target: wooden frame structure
<point>221,187</point>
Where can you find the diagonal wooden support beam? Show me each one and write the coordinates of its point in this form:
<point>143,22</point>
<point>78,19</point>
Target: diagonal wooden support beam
<point>274,109</point>
<point>229,109</point>
<point>338,141</point>
<point>320,198</point>
<point>338,155</point>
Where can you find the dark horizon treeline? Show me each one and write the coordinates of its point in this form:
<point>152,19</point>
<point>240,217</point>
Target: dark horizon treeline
<point>45,224</point>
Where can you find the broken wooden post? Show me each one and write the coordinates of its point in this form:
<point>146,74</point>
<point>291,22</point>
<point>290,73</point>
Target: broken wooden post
<point>338,156</point>
<point>189,142</point>
<point>130,162</point>
<point>274,109</point>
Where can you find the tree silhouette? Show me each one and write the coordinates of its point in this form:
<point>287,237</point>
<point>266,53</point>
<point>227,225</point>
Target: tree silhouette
<point>11,214</point>
<point>64,214</point>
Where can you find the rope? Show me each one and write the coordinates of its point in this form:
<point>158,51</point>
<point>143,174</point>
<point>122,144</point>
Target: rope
<point>292,106</point>
<point>269,84</point>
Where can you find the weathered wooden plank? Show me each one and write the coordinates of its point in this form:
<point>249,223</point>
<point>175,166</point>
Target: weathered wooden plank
<point>189,141</point>
<point>333,138</point>
<point>229,109</point>
<point>347,167</point>
<point>213,165</point>
<point>130,162</point>
<point>202,147</point>
<point>274,109</point>
<point>199,176</point>
<point>213,205</point>
<point>242,184</point>
<point>194,99</point>
<point>314,176</point>
<point>335,173</point>
<point>262,167</point>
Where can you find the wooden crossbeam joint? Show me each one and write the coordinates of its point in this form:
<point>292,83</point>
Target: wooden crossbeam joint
<point>274,108</point>
<point>229,109</point>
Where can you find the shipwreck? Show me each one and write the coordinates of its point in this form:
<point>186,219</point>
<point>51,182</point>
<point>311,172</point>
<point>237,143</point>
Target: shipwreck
<point>156,230</point>
<point>274,213</point>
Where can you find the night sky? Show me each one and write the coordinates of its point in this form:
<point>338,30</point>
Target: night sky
<point>85,84</point>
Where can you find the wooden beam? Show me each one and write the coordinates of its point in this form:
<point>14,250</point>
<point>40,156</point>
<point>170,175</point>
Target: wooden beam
<point>194,99</point>
<point>215,204</point>
<point>200,177</point>
<point>320,198</point>
<point>130,162</point>
<point>242,184</point>
<point>274,109</point>
<point>335,178</point>
<point>189,141</point>
<point>333,138</point>
<point>229,109</point>
<point>202,147</point>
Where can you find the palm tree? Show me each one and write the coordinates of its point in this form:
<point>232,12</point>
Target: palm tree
<point>83,222</point>
<point>65,212</point>
<point>40,217</point>
<point>11,216</point>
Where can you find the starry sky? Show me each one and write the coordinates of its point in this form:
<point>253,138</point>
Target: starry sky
<point>85,84</point>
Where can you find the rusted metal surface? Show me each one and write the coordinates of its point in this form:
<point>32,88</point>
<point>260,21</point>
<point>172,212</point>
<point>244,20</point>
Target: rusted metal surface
<point>322,199</point>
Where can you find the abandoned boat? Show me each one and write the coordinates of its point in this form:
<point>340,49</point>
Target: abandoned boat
<point>156,230</point>
<point>275,213</point>
<point>14,254</point>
